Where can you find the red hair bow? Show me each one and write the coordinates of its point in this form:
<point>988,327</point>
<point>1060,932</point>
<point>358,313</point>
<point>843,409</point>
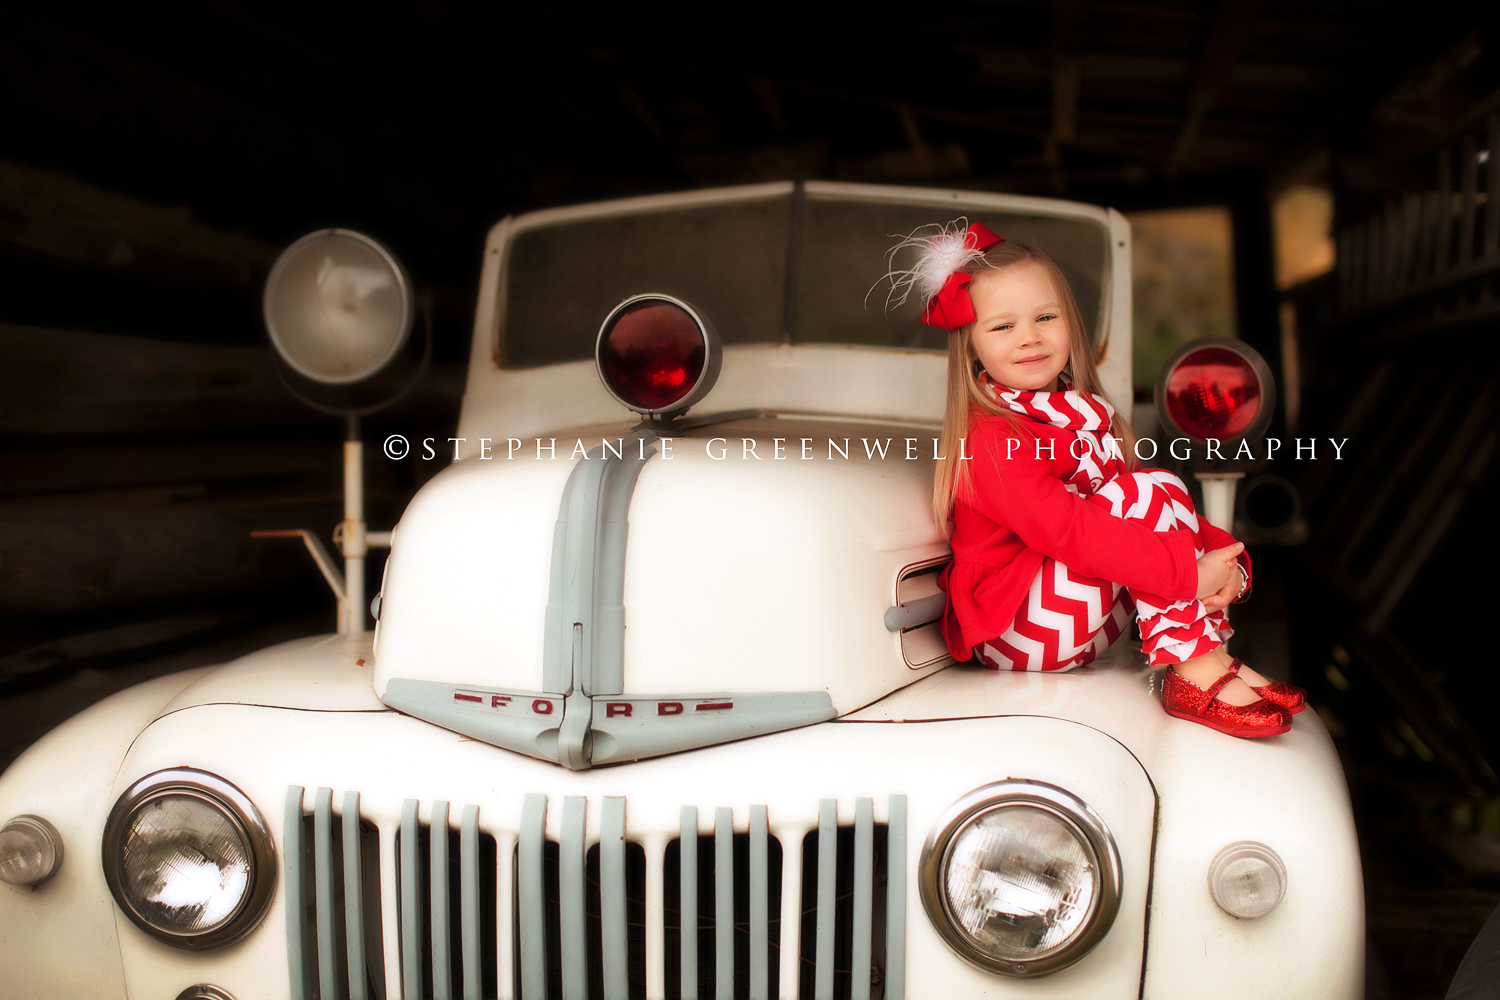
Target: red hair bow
<point>952,307</point>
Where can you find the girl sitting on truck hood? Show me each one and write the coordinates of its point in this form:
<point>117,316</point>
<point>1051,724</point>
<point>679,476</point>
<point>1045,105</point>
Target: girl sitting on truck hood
<point>1056,536</point>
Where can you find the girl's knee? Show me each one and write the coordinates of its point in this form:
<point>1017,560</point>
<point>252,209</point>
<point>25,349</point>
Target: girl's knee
<point>1154,496</point>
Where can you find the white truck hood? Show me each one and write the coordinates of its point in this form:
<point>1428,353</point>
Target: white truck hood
<point>759,564</point>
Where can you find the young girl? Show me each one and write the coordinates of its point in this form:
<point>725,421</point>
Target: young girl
<point>1056,535</point>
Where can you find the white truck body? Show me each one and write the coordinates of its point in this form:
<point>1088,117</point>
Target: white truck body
<point>752,586</point>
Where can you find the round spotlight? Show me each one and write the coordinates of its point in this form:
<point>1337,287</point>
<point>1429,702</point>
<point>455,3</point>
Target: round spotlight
<point>189,858</point>
<point>657,355</point>
<point>338,306</point>
<point>31,851</point>
<point>1216,387</point>
<point>1020,878</point>
<point>1247,879</point>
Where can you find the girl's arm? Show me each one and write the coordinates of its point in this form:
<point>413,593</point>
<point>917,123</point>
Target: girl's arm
<point>1023,494</point>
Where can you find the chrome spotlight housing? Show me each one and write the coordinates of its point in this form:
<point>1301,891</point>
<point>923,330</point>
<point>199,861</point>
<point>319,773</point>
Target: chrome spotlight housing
<point>338,306</point>
<point>189,858</point>
<point>1020,878</point>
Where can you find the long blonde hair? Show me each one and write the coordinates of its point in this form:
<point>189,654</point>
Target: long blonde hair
<point>951,479</point>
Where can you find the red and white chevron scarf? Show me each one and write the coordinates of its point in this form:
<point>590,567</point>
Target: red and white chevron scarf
<point>1085,414</point>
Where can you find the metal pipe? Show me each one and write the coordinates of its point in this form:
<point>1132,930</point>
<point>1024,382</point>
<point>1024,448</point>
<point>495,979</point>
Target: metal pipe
<point>352,535</point>
<point>1218,497</point>
<point>319,553</point>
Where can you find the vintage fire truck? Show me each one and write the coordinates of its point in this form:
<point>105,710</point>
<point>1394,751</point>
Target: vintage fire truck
<point>655,703</point>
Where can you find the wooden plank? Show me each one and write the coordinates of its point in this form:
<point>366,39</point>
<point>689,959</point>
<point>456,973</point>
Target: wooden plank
<point>1467,211</point>
<point>1492,203</point>
<point>1345,259</point>
<point>1444,253</point>
<point>57,382</point>
<point>1411,217</point>
<point>69,220</point>
<point>1427,223</point>
<point>1374,287</point>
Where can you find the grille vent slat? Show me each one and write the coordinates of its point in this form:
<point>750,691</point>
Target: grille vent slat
<point>724,902</point>
<point>505,910</point>
<point>895,906</point>
<point>294,875</point>
<point>533,897</point>
<point>828,822</point>
<point>354,899</point>
<point>571,872</point>
<point>613,925</point>
<point>325,873</point>
<point>442,939</point>
<point>864,895</point>
<point>411,907</point>
<point>688,925</point>
<point>471,901</point>
<point>743,915</point>
<point>760,896</point>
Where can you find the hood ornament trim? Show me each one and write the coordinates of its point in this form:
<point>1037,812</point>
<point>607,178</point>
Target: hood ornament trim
<point>616,728</point>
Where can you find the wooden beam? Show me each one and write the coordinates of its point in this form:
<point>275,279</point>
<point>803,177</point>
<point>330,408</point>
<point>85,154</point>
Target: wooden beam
<point>65,219</point>
<point>633,100</point>
<point>770,101</point>
<point>1221,53</point>
<point>1067,43</point>
<point>926,163</point>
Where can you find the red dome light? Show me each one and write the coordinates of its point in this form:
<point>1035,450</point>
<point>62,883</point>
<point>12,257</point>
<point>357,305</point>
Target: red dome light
<point>655,354</point>
<point>1213,393</point>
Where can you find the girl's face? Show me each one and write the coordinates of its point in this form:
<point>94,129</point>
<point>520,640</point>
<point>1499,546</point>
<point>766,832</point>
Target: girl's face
<point>1020,335</point>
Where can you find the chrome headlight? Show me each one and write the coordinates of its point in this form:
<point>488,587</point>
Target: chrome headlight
<point>189,858</point>
<point>1021,878</point>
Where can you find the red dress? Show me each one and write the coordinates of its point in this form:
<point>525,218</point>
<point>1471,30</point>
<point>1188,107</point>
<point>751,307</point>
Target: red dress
<point>1020,512</point>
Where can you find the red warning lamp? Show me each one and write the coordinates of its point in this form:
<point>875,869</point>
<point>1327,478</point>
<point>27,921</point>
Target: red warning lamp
<point>1216,388</point>
<point>657,355</point>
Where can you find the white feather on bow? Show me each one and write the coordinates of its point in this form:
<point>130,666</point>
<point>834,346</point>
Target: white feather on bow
<point>938,254</point>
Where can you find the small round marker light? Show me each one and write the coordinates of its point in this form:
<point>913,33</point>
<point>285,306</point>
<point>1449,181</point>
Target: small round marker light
<point>31,851</point>
<point>657,355</point>
<point>338,306</point>
<point>1247,879</point>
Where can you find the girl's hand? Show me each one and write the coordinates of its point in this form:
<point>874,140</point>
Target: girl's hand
<point>1214,572</point>
<point>1229,593</point>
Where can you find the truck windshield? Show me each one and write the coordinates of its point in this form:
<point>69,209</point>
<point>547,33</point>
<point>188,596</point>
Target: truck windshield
<point>732,260</point>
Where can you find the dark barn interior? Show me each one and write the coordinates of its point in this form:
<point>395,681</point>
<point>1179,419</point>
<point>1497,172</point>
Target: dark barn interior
<point>154,160</point>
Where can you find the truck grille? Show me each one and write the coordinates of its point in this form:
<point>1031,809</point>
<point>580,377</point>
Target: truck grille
<point>445,909</point>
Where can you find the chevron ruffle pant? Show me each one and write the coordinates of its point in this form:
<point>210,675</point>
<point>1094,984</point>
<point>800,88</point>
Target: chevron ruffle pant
<point>1068,618</point>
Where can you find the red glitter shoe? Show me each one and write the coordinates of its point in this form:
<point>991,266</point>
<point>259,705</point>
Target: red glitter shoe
<point>1183,699</point>
<point>1293,699</point>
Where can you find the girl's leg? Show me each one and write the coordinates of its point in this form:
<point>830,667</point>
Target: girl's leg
<point>1067,620</point>
<point>1182,634</point>
<point>1171,631</point>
